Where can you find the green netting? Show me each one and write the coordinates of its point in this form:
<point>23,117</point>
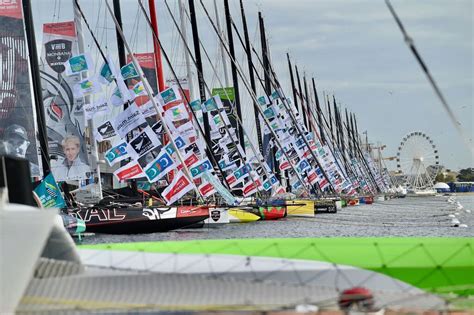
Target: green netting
<point>439,265</point>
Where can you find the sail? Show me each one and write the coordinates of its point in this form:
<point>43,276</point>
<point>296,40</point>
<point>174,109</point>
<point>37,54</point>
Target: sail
<point>64,112</point>
<point>17,115</point>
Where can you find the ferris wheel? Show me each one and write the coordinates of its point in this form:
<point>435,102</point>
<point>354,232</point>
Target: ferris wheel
<point>417,160</point>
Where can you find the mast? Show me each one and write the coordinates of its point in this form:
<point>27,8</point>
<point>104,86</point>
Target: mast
<point>90,124</point>
<point>36,81</point>
<point>158,64</point>
<point>235,78</point>
<point>120,47</point>
<point>182,15</point>
<point>251,75</point>
<point>197,56</point>
<point>300,93</point>
<point>319,113</point>
<point>292,80</point>
<point>221,48</point>
<point>330,120</point>
<point>349,138</point>
<point>272,162</point>
<point>305,84</point>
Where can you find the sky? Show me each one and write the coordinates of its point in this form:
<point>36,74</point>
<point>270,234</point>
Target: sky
<point>353,49</point>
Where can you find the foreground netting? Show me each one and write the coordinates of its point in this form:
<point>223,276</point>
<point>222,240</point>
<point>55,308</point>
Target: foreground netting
<point>256,274</point>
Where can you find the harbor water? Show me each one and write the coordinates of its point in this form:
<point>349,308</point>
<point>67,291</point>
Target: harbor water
<point>407,217</point>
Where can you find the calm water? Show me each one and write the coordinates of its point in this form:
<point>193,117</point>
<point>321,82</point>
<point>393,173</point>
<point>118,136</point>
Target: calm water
<point>416,216</point>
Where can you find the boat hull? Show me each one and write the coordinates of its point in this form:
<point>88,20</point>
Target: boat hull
<point>241,216</point>
<point>137,220</point>
<point>325,206</point>
<point>272,212</point>
<point>300,208</point>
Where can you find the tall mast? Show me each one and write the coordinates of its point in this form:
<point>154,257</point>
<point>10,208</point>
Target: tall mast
<point>158,63</point>
<point>349,136</point>
<point>319,113</point>
<point>330,120</point>
<point>235,78</point>
<point>266,62</point>
<point>182,15</point>
<point>90,124</point>
<point>36,80</point>
<point>305,84</point>
<point>251,74</point>
<point>197,56</point>
<point>221,48</point>
<point>271,161</point>
<point>292,80</point>
<point>120,46</point>
<point>300,93</point>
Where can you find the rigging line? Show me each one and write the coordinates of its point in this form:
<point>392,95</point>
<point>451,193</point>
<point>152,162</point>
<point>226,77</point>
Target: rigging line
<point>409,41</point>
<point>233,109</point>
<point>168,61</point>
<point>148,89</point>
<point>252,94</point>
<point>209,91</point>
<point>274,82</point>
<point>267,123</point>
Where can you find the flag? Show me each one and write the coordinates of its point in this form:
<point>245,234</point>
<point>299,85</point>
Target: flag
<point>138,89</point>
<point>99,106</point>
<point>161,166</point>
<point>104,131</point>
<point>177,188</point>
<point>143,143</point>
<point>129,171</point>
<point>116,153</point>
<point>128,120</point>
<point>251,188</point>
<point>206,189</point>
<point>197,171</point>
<point>49,194</point>
<point>129,71</point>
<point>170,95</point>
<point>86,87</point>
<point>78,64</point>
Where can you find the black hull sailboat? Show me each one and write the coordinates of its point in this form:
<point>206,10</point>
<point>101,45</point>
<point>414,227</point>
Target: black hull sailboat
<point>130,219</point>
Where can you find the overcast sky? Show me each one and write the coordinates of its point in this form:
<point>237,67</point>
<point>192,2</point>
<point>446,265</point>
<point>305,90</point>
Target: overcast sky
<point>354,49</point>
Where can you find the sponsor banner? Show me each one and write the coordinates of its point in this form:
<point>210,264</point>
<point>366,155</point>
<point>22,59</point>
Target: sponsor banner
<point>148,109</point>
<point>177,113</point>
<point>197,171</point>
<point>189,160</point>
<point>104,131</point>
<point>161,166</point>
<point>169,95</point>
<point>86,87</point>
<point>99,106</point>
<point>177,188</point>
<point>143,143</point>
<point>138,90</point>
<point>206,189</point>
<point>117,153</point>
<point>105,75</point>
<point>78,64</point>
<point>263,100</point>
<point>312,177</point>
<point>191,211</point>
<point>129,71</point>
<point>64,113</point>
<point>242,171</point>
<point>285,165</point>
<point>49,194</point>
<point>251,188</point>
<point>128,120</point>
<point>228,197</point>
<point>129,171</point>
<point>17,115</point>
<point>146,61</point>
<point>224,165</point>
<point>179,142</point>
